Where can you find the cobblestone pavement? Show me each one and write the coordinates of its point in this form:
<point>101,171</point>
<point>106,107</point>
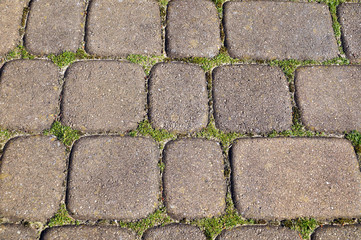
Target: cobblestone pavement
<point>181,119</point>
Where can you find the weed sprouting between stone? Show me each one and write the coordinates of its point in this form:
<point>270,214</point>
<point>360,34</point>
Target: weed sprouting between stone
<point>63,133</point>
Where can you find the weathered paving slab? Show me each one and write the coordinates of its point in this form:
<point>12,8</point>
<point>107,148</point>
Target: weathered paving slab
<point>32,178</point>
<point>279,30</point>
<point>244,99</point>
<point>29,95</point>
<point>113,177</point>
<point>119,28</point>
<point>287,178</point>
<point>88,232</point>
<point>349,17</point>
<point>17,232</point>
<point>178,97</point>
<point>101,96</point>
<point>349,232</point>
<point>192,29</point>
<point>194,184</point>
<point>55,26</point>
<point>329,97</point>
<point>174,232</point>
<point>259,233</point>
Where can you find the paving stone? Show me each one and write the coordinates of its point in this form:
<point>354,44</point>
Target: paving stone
<point>32,178</point>
<point>17,232</point>
<point>55,26</point>
<point>279,30</point>
<point>194,184</point>
<point>103,96</point>
<point>119,28</point>
<point>329,97</point>
<point>349,17</point>
<point>178,97</point>
<point>244,99</point>
<point>113,177</point>
<point>259,233</point>
<point>29,95</point>
<point>174,232</point>
<point>287,178</point>
<point>349,232</point>
<point>88,232</point>
<point>192,29</point>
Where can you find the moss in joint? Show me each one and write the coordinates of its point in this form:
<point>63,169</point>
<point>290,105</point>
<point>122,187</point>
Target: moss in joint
<point>305,226</point>
<point>145,129</point>
<point>62,217</point>
<point>63,133</point>
<point>355,138</point>
<point>146,62</point>
<point>5,135</point>
<point>19,53</point>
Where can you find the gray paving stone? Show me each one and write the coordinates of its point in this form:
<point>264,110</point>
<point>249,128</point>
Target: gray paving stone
<point>113,177</point>
<point>178,97</point>
<point>329,97</point>
<point>287,178</point>
<point>119,28</point>
<point>349,17</point>
<point>29,95</point>
<point>101,96</point>
<point>349,232</point>
<point>192,29</point>
<point>32,178</point>
<point>55,26</point>
<point>251,98</point>
<point>17,232</point>
<point>174,232</point>
<point>88,232</point>
<point>259,233</point>
<point>279,30</point>
<point>194,184</point>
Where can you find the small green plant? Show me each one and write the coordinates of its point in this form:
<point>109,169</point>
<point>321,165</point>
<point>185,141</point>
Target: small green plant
<point>208,64</point>
<point>19,53</point>
<point>145,61</point>
<point>63,133</point>
<point>355,138</point>
<point>145,129</point>
<point>5,135</point>
<point>305,226</point>
<point>63,59</point>
<point>62,217</point>
<point>219,6</point>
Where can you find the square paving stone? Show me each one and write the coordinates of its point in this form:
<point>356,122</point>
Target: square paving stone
<point>329,97</point>
<point>174,232</point>
<point>88,232</point>
<point>251,98</point>
<point>113,177</point>
<point>349,232</point>
<point>119,28</point>
<point>29,95</point>
<point>194,183</point>
<point>101,96</point>
<point>288,178</point>
<point>178,97</point>
<point>259,233</point>
<point>17,232</point>
<point>192,29</point>
<point>350,19</point>
<point>279,30</point>
<point>32,178</point>
<point>55,26</point>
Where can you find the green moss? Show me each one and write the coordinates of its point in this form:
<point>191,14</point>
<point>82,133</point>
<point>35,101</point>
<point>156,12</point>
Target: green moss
<point>146,62</point>
<point>355,138</point>
<point>64,133</point>
<point>145,129</point>
<point>343,221</point>
<point>208,64</point>
<point>62,217</point>
<point>19,53</point>
<point>5,135</point>
<point>219,6</point>
<point>305,226</point>
<point>63,59</point>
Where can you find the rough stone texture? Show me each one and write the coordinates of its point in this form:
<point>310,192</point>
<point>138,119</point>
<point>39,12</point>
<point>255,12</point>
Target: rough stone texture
<point>11,12</point>
<point>287,178</point>
<point>32,178</point>
<point>194,184</point>
<point>103,96</point>
<point>192,29</point>
<point>119,28</point>
<point>259,233</point>
<point>29,95</point>
<point>88,232</point>
<point>349,17</point>
<point>17,232</point>
<point>251,98</point>
<point>174,232</point>
<point>113,177</point>
<point>329,97</point>
<point>279,30</point>
<point>178,97</point>
<point>55,26</point>
<point>349,232</point>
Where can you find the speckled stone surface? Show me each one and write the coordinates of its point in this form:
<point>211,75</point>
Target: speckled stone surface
<point>259,233</point>
<point>279,30</point>
<point>287,178</point>
<point>104,96</point>
<point>32,178</point>
<point>329,97</point>
<point>17,232</point>
<point>113,177</point>
<point>349,232</point>
<point>174,232</point>
<point>194,183</point>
